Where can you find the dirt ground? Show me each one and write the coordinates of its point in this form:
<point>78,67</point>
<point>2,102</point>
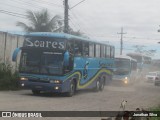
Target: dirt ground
<point>141,94</point>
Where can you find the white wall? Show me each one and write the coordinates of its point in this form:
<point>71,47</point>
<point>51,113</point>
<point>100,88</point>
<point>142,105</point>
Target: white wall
<point>6,50</point>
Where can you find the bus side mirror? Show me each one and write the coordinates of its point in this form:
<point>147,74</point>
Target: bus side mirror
<point>66,58</point>
<point>15,53</point>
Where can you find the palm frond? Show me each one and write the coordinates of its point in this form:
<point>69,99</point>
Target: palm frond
<point>60,29</point>
<point>44,16</point>
<point>25,27</point>
<point>41,22</point>
<point>55,19</point>
<point>54,23</point>
<point>32,17</point>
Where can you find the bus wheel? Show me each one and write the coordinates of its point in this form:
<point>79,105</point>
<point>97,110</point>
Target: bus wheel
<point>102,84</point>
<point>36,92</point>
<point>72,89</point>
<point>97,88</point>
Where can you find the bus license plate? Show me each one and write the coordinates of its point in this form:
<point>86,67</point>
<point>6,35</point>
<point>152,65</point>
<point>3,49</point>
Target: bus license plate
<point>38,86</point>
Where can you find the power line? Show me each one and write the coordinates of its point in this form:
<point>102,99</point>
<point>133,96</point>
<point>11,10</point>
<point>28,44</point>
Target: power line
<point>66,14</point>
<point>148,42</point>
<point>33,5</point>
<point>12,14</point>
<point>73,24</point>
<point>77,18</point>
<point>77,4</point>
<point>142,38</point>
<point>14,6</point>
<point>27,4</point>
<point>48,3</point>
<point>77,25</point>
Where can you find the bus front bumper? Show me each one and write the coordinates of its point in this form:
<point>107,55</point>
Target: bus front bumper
<point>46,87</point>
<point>121,81</point>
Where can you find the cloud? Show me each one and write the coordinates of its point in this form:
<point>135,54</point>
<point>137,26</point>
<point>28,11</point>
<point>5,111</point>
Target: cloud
<point>100,19</point>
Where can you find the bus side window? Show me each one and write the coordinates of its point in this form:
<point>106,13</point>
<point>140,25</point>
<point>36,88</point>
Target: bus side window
<point>97,51</point>
<point>103,51</point>
<point>86,49</point>
<point>108,53</point>
<point>78,48</point>
<point>91,49</point>
<point>70,48</point>
<point>112,52</point>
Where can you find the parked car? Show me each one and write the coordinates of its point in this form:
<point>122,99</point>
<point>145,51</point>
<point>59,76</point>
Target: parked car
<point>157,82</point>
<point>152,76</point>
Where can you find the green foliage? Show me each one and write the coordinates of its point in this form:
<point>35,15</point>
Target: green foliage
<point>155,109</point>
<point>8,80</point>
<point>41,21</point>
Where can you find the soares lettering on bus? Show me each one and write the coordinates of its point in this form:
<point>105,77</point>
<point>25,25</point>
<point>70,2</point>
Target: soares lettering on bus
<point>45,44</point>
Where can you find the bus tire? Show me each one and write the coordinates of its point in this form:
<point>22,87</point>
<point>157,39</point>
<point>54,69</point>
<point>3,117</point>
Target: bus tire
<point>102,84</point>
<point>36,92</point>
<point>97,88</point>
<point>72,89</point>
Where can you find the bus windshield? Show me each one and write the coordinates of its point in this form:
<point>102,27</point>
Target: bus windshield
<point>122,66</point>
<point>41,62</point>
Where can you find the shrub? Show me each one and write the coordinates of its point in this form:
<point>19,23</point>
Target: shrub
<point>8,79</point>
<point>155,109</point>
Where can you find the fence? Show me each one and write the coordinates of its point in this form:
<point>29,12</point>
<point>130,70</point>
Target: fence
<point>8,43</point>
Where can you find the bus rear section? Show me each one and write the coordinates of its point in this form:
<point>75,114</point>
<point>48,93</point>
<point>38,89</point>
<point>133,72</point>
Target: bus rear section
<point>48,64</point>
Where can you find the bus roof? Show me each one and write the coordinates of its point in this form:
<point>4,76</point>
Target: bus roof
<point>137,54</point>
<point>59,35</point>
<point>125,57</point>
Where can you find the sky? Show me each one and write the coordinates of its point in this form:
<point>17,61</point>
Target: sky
<point>98,19</point>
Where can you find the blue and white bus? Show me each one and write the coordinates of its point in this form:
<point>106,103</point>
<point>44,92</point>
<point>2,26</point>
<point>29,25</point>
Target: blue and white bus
<point>63,63</point>
<point>125,70</point>
<point>143,61</point>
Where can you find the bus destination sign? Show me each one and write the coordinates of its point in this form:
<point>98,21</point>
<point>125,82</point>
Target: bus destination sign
<point>51,44</point>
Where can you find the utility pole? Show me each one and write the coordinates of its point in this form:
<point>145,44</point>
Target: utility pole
<point>121,42</point>
<point>158,29</point>
<point>66,7</point>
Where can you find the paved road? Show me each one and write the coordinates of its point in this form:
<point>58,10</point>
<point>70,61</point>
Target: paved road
<point>141,95</point>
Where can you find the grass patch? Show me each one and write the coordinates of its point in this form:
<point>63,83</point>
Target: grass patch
<point>156,109</point>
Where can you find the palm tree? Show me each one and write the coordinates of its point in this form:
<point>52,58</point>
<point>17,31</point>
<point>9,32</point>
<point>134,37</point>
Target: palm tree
<point>41,22</point>
<point>77,33</point>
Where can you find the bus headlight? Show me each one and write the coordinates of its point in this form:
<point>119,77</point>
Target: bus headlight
<point>23,78</point>
<point>56,81</point>
<point>126,80</point>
